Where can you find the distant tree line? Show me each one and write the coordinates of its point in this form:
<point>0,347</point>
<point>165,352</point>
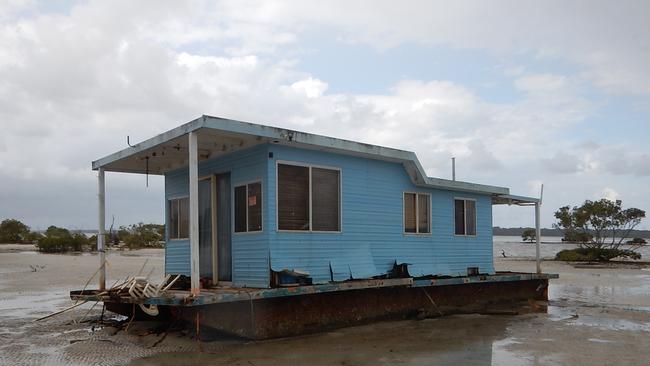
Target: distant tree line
<point>519,231</point>
<point>56,239</point>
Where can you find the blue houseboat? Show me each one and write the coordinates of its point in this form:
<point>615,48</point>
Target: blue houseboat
<point>277,218</point>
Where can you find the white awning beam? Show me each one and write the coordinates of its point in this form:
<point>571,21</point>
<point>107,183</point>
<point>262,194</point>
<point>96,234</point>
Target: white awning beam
<point>194,212</point>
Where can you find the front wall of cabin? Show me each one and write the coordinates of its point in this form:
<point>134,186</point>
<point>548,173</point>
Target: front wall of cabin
<point>250,251</point>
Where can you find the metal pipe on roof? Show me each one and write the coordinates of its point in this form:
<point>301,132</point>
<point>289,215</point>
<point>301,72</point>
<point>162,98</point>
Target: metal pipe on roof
<point>453,168</point>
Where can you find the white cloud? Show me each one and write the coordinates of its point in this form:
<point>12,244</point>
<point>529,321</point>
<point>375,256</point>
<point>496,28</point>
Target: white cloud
<point>73,85</point>
<point>610,194</point>
<point>593,158</point>
<point>541,83</point>
<point>310,87</point>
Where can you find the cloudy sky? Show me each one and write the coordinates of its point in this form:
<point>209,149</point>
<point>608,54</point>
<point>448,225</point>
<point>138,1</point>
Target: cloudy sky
<point>521,92</point>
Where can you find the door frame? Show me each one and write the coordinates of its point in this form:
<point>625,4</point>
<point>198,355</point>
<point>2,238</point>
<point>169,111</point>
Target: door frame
<point>215,231</point>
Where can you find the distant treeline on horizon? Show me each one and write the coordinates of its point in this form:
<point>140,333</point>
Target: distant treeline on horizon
<point>517,231</point>
<point>497,230</point>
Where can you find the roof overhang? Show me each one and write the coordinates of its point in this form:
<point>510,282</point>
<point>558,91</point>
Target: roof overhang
<point>510,199</point>
<point>219,136</point>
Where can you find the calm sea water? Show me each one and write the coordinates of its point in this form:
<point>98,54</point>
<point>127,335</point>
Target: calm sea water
<point>512,246</point>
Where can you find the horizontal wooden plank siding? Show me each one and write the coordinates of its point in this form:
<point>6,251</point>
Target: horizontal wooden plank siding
<point>250,252</point>
<point>372,237</point>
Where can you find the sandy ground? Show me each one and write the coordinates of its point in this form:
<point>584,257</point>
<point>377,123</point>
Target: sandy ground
<point>598,316</point>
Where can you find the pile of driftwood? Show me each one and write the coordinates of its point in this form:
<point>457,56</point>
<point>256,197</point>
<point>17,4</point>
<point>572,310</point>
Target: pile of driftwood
<point>138,287</point>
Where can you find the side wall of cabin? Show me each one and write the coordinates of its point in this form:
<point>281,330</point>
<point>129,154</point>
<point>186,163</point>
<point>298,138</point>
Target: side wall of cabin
<point>250,251</point>
<point>372,234</point>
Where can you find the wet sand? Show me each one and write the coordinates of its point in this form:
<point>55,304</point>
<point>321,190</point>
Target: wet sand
<point>598,316</point>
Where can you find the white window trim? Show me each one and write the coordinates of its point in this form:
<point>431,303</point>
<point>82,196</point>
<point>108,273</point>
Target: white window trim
<point>417,222</point>
<point>169,200</point>
<point>246,184</point>
<point>465,216</point>
<point>310,166</point>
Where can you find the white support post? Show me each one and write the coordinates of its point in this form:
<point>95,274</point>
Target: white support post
<point>538,237</point>
<point>101,234</point>
<point>194,213</point>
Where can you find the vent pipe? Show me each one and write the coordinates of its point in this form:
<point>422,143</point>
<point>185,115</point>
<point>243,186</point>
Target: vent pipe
<point>453,168</point>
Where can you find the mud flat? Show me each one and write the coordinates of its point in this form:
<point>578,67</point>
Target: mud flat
<point>598,316</point>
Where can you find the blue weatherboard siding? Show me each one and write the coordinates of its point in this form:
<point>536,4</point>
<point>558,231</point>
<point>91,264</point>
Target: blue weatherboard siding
<point>249,250</point>
<point>371,237</point>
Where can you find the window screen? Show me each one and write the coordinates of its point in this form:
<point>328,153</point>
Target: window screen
<point>240,209</point>
<point>459,216</point>
<point>423,214</point>
<point>184,217</point>
<point>248,207</point>
<point>173,219</point>
<point>470,217</point>
<point>465,217</point>
<point>254,203</point>
<point>179,221</point>
<point>309,198</point>
<point>325,199</point>
<point>409,213</point>
<point>293,197</point>
<point>417,213</point>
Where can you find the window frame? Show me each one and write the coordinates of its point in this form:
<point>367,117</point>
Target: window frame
<point>169,203</point>
<point>246,184</point>
<point>465,216</point>
<point>309,166</point>
<point>417,212</point>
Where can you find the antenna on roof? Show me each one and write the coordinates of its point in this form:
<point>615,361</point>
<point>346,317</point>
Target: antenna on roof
<point>453,168</point>
<point>128,142</point>
<point>541,193</point>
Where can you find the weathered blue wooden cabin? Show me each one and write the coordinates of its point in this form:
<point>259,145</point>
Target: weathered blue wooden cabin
<point>286,212</point>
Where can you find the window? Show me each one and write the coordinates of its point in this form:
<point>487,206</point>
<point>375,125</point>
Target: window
<point>179,221</point>
<point>248,207</point>
<point>309,198</point>
<point>417,212</point>
<point>465,217</point>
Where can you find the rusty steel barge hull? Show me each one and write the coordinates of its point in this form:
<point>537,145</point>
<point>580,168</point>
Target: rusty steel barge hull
<point>281,312</point>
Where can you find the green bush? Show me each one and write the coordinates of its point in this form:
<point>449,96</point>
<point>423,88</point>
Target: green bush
<point>572,236</point>
<point>142,235</point>
<point>57,240</point>
<point>529,235</point>
<point>595,254</point>
<point>13,231</point>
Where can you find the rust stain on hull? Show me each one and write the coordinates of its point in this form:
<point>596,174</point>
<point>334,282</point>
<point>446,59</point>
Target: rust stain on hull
<point>282,317</point>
